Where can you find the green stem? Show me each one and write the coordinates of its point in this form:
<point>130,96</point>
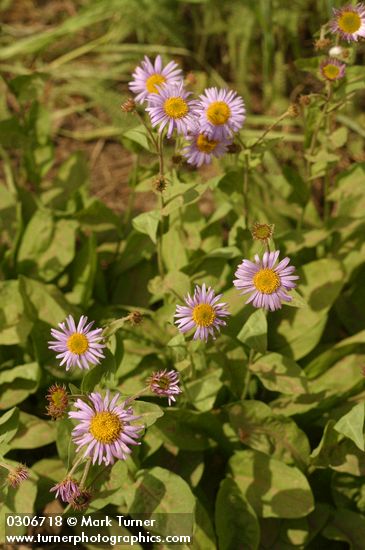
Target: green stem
<point>248,375</point>
<point>86,471</point>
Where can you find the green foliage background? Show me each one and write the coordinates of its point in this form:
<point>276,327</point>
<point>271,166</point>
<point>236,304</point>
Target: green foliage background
<point>266,444</point>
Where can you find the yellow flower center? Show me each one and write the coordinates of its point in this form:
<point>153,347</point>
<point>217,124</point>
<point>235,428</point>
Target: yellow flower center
<point>78,343</point>
<point>331,71</point>
<point>206,145</point>
<point>153,81</point>
<point>349,21</point>
<point>218,113</point>
<point>266,281</point>
<point>204,315</point>
<point>176,107</point>
<point>106,427</point>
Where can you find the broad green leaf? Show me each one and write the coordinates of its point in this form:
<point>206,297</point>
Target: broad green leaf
<point>296,331</point>
<point>47,247</point>
<point>159,491</point>
<point>18,382</point>
<point>347,526</point>
<point>279,373</point>
<point>147,223</point>
<point>236,522</point>
<point>203,391</point>
<point>65,445</point>
<point>274,435</point>
<point>272,488</point>
<point>14,324</point>
<point>33,432</point>
<point>149,412</point>
<point>254,332</point>
<point>9,423</point>
<point>352,425</point>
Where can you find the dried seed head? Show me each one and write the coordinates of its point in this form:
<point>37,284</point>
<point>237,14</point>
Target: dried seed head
<point>234,148</point>
<point>129,106</point>
<point>190,79</point>
<point>57,398</point>
<point>160,184</point>
<point>262,231</point>
<point>135,318</point>
<point>305,100</point>
<point>81,501</point>
<point>177,159</point>
<point>293,110</point>
<point>322,44</point>
<point>17,475</point>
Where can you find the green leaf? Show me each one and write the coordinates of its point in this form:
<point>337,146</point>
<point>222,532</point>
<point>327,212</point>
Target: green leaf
<point>236,522</point>
<point>47,247</point>
<point>149,412</point>
<point>275,435</point>
<point>9,423</point>
<point>65,446</point>
<point>33,432</point>
<point>352,425</point>
<point>279,373</point>
<point>18,382</point>
<point>14,324</point>
<point>254,332</point>
<point>347,526</point>
<point>94,375</point>
<point>272,488</point>
<point>159,491</point>
<point>147,223</point>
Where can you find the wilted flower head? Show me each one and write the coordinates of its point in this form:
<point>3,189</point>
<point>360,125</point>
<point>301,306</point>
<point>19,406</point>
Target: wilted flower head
<point>17,475</point>
<point>202,312</point>
<point>322,43</point>
<point>81,501</point>
<point>66,489</point>
<point>220,113</point>
<point>129,106</point>
<point>160,184</point>
<point>332,69</point>
<point>150,77</point>
<point>349,22</point>
<point>135,318</point>
<point>267,283</point>
<point>79,345</point>
<point>171,108</point>
<point>57,397</point>
<point>104,428</point>
<point>165,383</point>
<point>202,148</point>
<point>262,231</point>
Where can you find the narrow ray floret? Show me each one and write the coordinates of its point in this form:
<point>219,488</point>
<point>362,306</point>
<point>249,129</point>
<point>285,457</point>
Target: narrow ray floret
<point>202,149</point>
<point>220,113</point>
<point>267,282</point>
<point>150,77</point>
<point>105,428</point>
<point>172,109</point>
<point>77,345</point>
<point>349,22</point>
<point>203,312</point>
<point>165,383</point>
<point>332,69</point>
<point>66,489</point>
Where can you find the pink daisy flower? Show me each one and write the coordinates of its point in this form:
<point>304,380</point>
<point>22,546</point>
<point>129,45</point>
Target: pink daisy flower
<point>104,428</point>
<point>266,282</point>
<point>171,108</point>
<point>79,345</point>
<point>201,312</point>
<point>349,22</point>
<point>202,149</point>
<point>220,113</point>
<point>149,77</point>
<point>165,383</point>
<point>332,69</point>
